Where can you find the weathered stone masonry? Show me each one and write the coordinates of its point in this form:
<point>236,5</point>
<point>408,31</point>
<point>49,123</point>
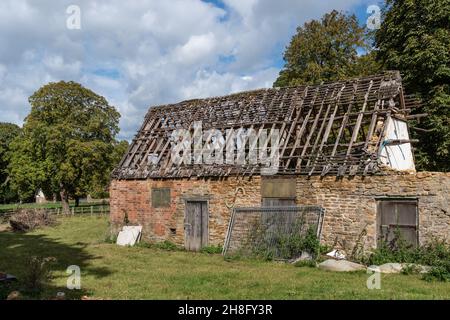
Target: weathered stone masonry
<point>350,204</point>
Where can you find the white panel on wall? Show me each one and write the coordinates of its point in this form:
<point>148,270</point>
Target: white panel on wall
<point>397,156</point>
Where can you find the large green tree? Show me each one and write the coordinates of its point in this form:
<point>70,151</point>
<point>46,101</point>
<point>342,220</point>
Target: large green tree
<point>100,189</point>
<point>415,38</point>
<point>8,132</point>
<point>327,50</point>
<point>67,142</point>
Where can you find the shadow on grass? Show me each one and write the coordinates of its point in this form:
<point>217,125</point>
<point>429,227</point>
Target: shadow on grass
<point>17,248</point>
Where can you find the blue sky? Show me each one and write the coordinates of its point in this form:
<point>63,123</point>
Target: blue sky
<point>148,52</point>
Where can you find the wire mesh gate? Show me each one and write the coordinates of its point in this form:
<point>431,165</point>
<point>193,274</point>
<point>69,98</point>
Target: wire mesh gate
<point>249,227</point>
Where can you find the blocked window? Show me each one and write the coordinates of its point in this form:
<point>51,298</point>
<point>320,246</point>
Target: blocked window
<point>398,217</point>
<point>278,202</point>
<point>160,197</point>
<point>278,188</point>
<point>278,192</point>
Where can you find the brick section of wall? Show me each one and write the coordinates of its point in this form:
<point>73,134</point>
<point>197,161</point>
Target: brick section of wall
<point>350,204</point>
<point>134,197</point>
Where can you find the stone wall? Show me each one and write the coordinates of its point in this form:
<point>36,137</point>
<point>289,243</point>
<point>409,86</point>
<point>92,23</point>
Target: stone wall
<point>350,204</point>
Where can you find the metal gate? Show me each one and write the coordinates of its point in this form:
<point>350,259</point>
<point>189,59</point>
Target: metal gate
<point>268,223</point>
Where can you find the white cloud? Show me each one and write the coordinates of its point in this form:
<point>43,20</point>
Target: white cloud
<point>208,84</point>
<point>197,48</point>
<point>147,52</point>
<point>56,64</point>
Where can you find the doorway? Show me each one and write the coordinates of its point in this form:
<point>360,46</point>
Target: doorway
<point>398,217</point>
<point>196,225</point>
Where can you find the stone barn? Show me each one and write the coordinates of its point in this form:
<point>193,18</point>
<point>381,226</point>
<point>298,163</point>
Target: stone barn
<point>342,146</point>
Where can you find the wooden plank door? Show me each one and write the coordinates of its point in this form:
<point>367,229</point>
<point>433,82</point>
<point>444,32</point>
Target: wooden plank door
<point>401,215</point>
<point>196,225</point>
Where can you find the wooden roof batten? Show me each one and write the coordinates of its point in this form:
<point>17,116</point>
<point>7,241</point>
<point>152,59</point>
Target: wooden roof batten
<point>327,129</point>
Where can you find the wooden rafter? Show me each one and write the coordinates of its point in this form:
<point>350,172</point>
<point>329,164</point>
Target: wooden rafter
<point>330,128</point>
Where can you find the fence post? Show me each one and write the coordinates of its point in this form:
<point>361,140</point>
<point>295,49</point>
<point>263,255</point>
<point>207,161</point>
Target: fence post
<point>92,210</point>
<point>73,211</point>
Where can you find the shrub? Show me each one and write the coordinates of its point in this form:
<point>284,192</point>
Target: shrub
<point>167,245</point>
<point>111,238</point>
<point>212,249</point>
<point>37,273</point>
<point>358,252</point>
<point>164,245</point>
<point>440,272</point>
<point>396,250</point>
<point>29,219</point>
<point>435,253</point>
<point>269,241</point>
<point>305,263</point>
<point>432,253</point>
<point>144,244</point>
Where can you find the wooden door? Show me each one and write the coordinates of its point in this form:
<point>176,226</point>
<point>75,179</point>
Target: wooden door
<point>196,225</point>
<point>401,215</point>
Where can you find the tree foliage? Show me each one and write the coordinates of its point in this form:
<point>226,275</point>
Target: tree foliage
<point>120,148</point>
<point>327,50</point>
<point>67,142</point>
<point>100,190</point>
<point>8,132</point>
<point>415,38</point>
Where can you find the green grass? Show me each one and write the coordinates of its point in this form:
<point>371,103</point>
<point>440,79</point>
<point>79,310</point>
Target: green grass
<point>113,272</point>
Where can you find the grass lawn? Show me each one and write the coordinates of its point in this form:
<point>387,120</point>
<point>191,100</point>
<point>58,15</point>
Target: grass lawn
<point>112,272</point>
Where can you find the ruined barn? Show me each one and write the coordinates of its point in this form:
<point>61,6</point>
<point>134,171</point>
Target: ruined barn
<point>343,147</point>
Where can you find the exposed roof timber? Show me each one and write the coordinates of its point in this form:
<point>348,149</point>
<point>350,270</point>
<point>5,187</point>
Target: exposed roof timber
<point>333,128</point>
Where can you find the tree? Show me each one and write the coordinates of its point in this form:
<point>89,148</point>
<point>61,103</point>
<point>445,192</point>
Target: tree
<point>100,185</point>
<point>67,143</point>
<point>327,50</point>
<point>415,38</point>
<point>8,132</point>
<point>120,148</point>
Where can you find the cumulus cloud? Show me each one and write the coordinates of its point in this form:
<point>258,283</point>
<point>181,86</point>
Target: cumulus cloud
<point>147,52</point>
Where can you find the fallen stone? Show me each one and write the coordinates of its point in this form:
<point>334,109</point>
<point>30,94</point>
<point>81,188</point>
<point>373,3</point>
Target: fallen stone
<point>341,265</point>
<point>424,269</point>
<point>394,267</point>
<point>391,267</point>
<point>387,268</point>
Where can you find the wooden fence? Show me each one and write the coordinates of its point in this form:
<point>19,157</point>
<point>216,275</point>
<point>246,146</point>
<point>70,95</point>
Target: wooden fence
<point>102,209</point>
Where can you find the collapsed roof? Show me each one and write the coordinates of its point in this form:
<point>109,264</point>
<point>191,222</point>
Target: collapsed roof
<point>329,129</point>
